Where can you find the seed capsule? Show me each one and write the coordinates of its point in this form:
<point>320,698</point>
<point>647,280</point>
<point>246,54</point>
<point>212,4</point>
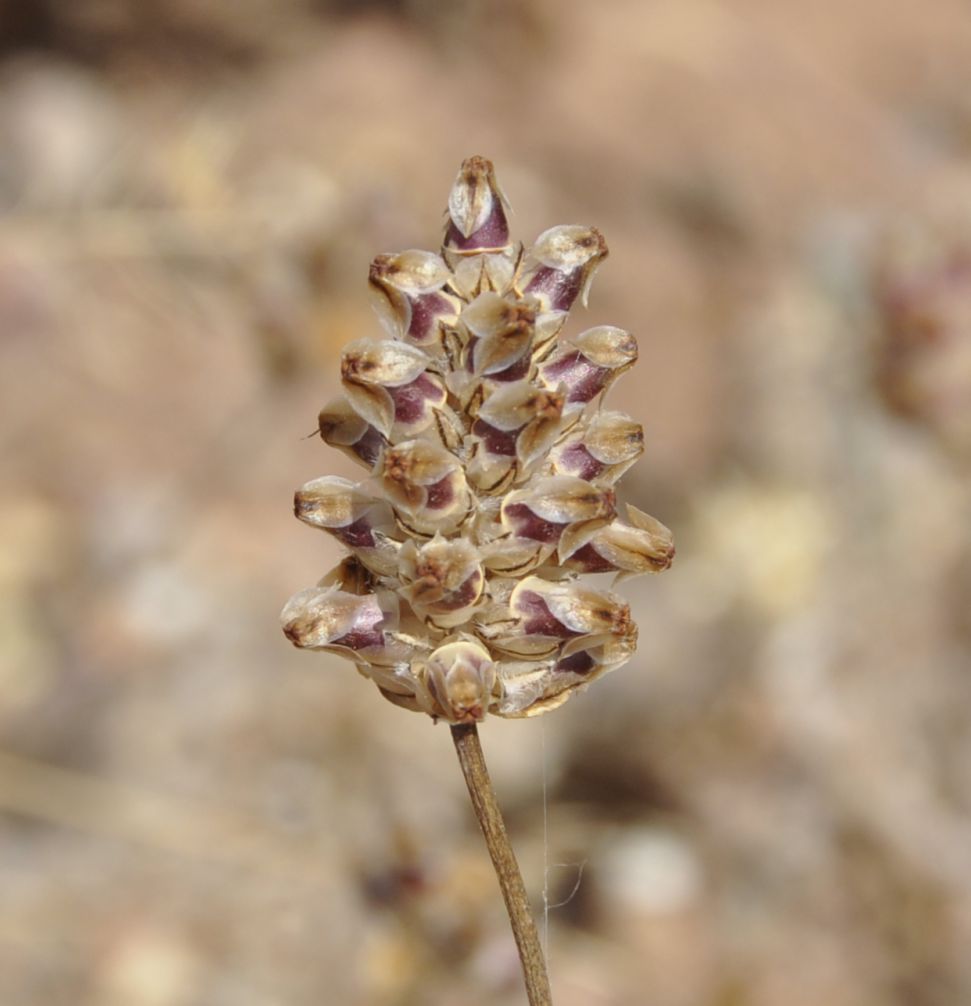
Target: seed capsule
<point>516,427</point>
<point>567,609</point>
<point>550,508</point>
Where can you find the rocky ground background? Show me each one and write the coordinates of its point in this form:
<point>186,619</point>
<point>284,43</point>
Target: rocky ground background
<point>772,803</point>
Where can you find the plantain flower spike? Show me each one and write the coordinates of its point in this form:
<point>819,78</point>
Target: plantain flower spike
<point>490,472</point>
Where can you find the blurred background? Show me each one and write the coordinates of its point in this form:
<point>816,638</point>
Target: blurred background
<point>772,803</point>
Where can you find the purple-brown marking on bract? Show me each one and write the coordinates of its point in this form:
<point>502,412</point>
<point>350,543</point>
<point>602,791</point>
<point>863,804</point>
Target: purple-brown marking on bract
<point>361,638</point>
<point>470,354</point>
<point>590,560</point>
<point>460,597</point>
<point>439,494</point>
<point>426,309</point>
<point>494,233</point>
<point>529,525</point>
<point>514,372</point>
<point>360,534</point>
<point>409,400</point>
<point>562,288</point>
<point>501,443</point>
<point>576,663</point>
<point>369,447</point>
<point>537,619</point>
<point>585,380</point>
<point>367,628</point>
<point>578,461</point>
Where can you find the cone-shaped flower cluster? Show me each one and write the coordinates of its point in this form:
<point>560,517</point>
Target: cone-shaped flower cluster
<point>492,469</point>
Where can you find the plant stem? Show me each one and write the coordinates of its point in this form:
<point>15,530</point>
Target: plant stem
<point>472,760</point>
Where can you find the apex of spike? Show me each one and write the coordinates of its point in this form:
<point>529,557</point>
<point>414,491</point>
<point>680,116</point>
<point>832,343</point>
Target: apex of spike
<point>477,209</point>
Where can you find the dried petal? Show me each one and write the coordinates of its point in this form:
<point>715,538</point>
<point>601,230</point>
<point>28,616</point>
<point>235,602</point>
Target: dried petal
<point>386,363</point>
<point>411,272</point>
<point>522,684</point>
<point>331,502</point>
<point>607,346</point>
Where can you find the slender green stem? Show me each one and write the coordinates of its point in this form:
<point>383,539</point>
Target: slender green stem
<point>472,760</point>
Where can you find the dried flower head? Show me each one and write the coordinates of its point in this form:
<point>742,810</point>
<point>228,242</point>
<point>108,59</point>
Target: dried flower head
<point>492,467</point>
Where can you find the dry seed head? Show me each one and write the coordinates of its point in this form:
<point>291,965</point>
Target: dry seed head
<point>491,470</point>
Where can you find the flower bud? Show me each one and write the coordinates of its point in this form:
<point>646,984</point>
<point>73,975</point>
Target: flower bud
<point>604,449</point>
<point>461,676</point>
<point>341,427</point>
<point>588,363</point>
<point>645,547</point>
<point>560,265</point>
<point>501,334</point>
<point>476,209</point>
<point>567,608</point>
<point>477,247</point>
<point>355,519</point>
<point>387,385</point>
<point>407,293</point>
<point>543,511</point>
<point>351,625</point>
<point>443,579</point>
<point>425,484</point>
<point>517,425</point>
